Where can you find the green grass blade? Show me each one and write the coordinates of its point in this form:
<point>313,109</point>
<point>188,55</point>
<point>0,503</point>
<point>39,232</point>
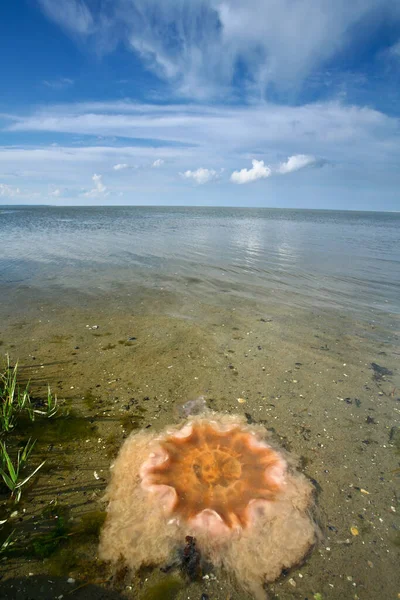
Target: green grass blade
<point>13,473</point>
<point>22,483</point>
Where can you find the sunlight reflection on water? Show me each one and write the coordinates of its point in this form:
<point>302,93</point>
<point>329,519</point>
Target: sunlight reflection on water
<point>344,259</point>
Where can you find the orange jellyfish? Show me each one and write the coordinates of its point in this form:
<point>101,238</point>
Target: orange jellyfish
<point>211,478</point>
<point>217,479</point>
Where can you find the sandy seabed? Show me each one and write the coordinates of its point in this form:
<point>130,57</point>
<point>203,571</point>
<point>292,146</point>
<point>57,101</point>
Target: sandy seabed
<point>305,377</point>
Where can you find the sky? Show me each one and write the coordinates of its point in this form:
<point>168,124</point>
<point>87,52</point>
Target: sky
<point>278,103</point>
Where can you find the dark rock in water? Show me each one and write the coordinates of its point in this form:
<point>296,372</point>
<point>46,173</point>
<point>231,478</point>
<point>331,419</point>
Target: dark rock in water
<point>394,437</point>
<point>265,320</point>
<point>191,559</point>
<point>380,371</point>
<point>205,597</point>
<point>132,339</point>
<point>249,419</point>
<point>370,421</point>
<point>317,486</point>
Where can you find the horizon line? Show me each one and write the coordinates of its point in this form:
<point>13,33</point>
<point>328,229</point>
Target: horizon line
<point>193,206</point>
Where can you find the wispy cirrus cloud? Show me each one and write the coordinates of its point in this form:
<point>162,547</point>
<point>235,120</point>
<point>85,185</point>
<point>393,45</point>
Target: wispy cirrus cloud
<point>394,50</point>
<point>73,15</point>
<point>331,129</point>
<point>58,84</point>
<point>197,45</point>
<point>356,139</point>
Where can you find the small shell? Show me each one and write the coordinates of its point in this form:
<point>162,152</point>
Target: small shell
<point>241,401</point>
<point>354,530</point>
<point>364,492</point>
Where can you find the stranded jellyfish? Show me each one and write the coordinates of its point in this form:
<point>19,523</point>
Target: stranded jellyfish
<point>212,478</point>
<point>217,479</point>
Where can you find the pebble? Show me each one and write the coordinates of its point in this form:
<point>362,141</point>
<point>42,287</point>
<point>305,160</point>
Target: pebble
<point>70,580</point>
<point>292,582</point>
<point>241,400</point>
<point>96,475</point>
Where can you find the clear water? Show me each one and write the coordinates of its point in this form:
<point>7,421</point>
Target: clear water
<point>310,258</point>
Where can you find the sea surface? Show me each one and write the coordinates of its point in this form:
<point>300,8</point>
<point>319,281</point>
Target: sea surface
<point>307,258</point>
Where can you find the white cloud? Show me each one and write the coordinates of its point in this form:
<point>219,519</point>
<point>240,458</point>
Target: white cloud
<point>158,163</point>
<point>99,188</point>
<point>197,44</point>
<point>258,171</point>
<point>59,84</point>
<point>217,135</point>
<point>73,15</point>
<point>296,162</point>
<point>200,176</point>
<point>395,50</point>
<point>360,139</point>
<point>315,129</point>
<point>55,193</point>
<point>8,191</point>
<point>120,166</point>
<point>262,171</point>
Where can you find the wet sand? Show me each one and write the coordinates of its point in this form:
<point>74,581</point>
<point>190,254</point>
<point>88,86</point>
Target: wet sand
<point>123,363</point>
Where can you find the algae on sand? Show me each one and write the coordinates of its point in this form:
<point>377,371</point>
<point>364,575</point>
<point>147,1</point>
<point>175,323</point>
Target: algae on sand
<point>167,589</point>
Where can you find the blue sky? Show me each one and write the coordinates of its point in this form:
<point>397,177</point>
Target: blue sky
<point>201,102</point>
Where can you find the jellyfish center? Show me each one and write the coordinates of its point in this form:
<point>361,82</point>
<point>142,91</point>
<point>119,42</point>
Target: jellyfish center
<point>216,467</point>
<point>214,476</point>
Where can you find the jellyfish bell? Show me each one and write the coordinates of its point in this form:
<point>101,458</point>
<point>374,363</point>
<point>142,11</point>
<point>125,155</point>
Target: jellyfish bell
<point>215,478</point>
<point>210,475</point>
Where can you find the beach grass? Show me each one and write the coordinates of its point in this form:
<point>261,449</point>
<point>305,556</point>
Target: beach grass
<point>15,407</point>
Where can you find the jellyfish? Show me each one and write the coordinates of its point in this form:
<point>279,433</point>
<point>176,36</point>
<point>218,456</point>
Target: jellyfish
<point>215,478</point>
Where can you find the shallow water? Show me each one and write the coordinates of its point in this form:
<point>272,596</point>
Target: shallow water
<point>130,312</point>
<point>349,261</point>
